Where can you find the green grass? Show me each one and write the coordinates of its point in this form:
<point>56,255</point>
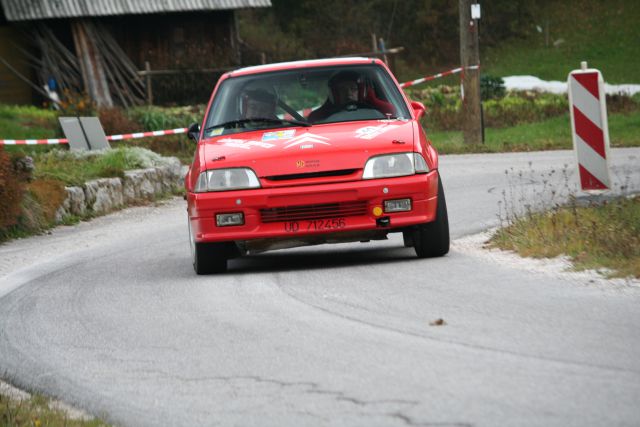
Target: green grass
<point>35,412</point>
<point>75,169</point>
<point>552,134</point>
<point>594,237</point>
<point>159,118</point>
<point>603,33</point>
<point>27,122</point>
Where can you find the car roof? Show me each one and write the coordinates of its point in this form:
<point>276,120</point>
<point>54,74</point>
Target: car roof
<point>257,69</point>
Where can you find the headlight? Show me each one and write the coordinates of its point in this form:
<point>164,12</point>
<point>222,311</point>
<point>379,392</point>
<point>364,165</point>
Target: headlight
<point>391,165</point>
<point>226,179</point>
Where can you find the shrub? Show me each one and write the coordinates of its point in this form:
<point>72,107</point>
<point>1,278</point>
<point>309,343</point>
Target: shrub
<point>620,103</point>
<point>517,107</point>
<point>156,118</point>
<point>114,121</point>
<point>11,191</point>
<point>76,104</point>
<point>491,87</point>
<point>49,194</point>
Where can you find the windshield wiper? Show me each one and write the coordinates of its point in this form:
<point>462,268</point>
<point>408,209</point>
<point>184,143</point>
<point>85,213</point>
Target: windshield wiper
<point>257,119</point>
<point>291,122</point>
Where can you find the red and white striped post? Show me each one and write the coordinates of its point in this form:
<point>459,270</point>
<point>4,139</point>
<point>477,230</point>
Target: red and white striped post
<point>587,102</point>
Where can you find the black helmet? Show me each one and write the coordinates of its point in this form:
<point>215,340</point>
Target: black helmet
<point>260,95</point>
<point>344,76</point>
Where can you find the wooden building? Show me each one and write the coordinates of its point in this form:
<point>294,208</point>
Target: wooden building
<point>100,46</point>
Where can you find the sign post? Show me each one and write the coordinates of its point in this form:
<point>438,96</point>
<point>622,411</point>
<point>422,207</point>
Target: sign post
<point>590,130</point>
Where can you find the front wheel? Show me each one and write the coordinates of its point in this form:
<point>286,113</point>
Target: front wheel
<point>207,258</point>
<point>432,238</point>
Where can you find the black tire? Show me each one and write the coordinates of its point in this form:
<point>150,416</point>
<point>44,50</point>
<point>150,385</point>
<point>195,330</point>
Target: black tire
<point>432,238</point>
<point>407,239</point>
<point>209,258</point>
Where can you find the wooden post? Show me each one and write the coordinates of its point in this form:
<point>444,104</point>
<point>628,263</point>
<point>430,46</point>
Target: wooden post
<point>470,56</point>
<point>383,49</point>
<point>93,73</point>
<point>235,39</point>
<point>147,68</point>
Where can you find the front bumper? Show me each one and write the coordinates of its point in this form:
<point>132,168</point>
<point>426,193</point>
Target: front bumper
<point>422,189</point>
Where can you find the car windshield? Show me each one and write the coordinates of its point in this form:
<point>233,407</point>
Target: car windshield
<point>304,97</point>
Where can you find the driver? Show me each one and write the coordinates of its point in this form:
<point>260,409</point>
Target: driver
<point>259,104</point>
<point>344,91</point>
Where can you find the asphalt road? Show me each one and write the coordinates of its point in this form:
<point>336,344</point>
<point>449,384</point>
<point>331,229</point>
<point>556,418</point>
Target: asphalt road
<point>109,316</point>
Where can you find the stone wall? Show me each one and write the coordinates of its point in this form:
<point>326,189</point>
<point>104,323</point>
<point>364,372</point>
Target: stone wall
<point>104,195</point>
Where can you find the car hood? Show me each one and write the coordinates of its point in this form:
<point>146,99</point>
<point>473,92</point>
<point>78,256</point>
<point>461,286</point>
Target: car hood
<point>319,148</point>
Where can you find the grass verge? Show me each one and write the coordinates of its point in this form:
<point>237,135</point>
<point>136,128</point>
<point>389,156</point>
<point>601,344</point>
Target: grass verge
<point>604,33</point>
<point>551,134</point>
<point>594,237</point>
<point>37,411</point>
<point>73,168</point>
<point>27,122</point>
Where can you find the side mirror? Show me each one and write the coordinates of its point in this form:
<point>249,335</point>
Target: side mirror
<point>194,132</point>
<point>419,109</point>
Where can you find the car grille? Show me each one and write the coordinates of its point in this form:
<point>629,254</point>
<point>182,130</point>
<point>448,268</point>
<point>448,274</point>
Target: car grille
<point>341,172</point>
<point>308,212</point>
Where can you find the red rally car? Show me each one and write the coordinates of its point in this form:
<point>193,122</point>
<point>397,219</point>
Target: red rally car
<point>310,152</point>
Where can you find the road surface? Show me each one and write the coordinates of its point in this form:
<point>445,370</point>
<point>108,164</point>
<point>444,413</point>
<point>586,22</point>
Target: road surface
<point>109,315</point>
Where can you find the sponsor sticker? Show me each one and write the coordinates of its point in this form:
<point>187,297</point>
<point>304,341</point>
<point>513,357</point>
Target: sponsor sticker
<point>307,139</point>
<point>308,163</point>
<point>281,134</point>
<point>216,131</point>
<point>244,143</point>
<point>370,132</point>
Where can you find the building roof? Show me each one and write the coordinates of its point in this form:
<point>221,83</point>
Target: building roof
<point>29,10</point>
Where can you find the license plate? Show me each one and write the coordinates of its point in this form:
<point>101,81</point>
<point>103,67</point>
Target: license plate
<point>315,225</point>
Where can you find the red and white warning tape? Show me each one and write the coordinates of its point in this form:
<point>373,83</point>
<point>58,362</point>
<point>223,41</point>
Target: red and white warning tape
<point>110,137</point>
<point>32,141</point>
<point>439,75</point>
<point>146,134</point>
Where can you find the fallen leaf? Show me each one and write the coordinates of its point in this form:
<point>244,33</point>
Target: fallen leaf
<point>438,322</point>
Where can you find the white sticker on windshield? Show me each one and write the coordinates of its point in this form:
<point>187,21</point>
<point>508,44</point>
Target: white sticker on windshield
<point>216,132</point>
<point>244,143</point>
<point>370,132</point>
<point>281,134</point>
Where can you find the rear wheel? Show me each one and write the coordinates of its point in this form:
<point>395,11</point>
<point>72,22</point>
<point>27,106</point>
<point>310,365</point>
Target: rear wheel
<point>432,238</point>
<point>208,258</point>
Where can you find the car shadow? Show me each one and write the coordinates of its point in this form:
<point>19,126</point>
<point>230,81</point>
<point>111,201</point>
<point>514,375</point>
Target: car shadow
<point>310,259</point>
